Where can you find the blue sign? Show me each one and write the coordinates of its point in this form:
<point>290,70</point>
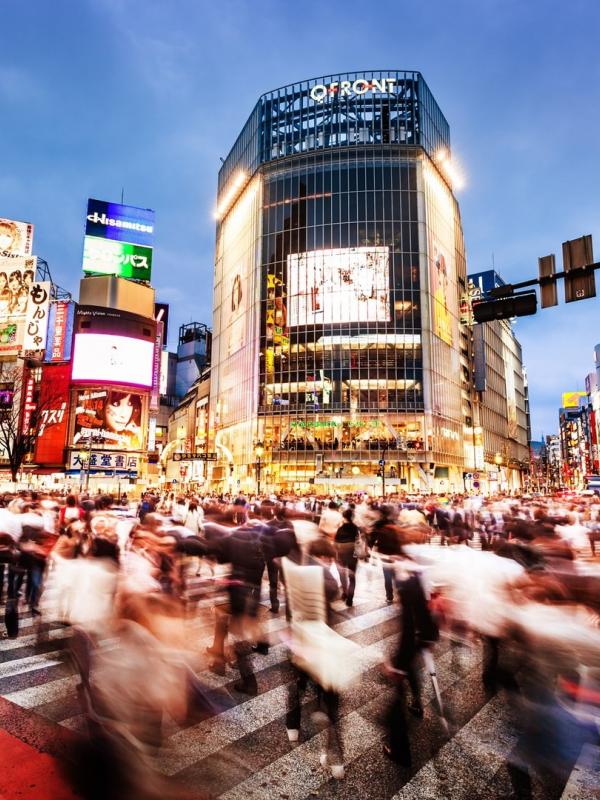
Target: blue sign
<point>382,462</point>
<point>120,223</point>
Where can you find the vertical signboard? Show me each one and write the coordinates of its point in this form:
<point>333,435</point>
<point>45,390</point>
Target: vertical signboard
<point>60,331</point>
<point>156,361</point>
<point>29,405</point>
<point>52,416</point>
<point>36,321</point>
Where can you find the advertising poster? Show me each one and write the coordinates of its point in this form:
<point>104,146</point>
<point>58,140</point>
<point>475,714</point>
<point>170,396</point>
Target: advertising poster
<point>110,358</point>
<point>53,414</point>
<point>108,417</point>
<point>237,305</point>
<point>335,286</point>
<point>17,276</point>
<point>439,279</point>
<point>277,330</point>
<point>16,238</point>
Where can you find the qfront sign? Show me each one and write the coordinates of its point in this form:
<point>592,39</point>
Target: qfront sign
<point>360,86</point>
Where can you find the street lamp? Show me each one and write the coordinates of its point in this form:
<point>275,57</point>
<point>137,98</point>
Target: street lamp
<point>259,450</point>
<point>498,459</point>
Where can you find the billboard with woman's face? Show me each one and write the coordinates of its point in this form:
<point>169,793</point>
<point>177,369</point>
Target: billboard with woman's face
<point>16,238</point>
<point>16,279</point>
<point>110,418</point>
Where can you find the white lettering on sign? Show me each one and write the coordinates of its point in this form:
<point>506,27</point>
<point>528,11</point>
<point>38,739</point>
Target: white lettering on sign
<point>102,219</point>
<point>358,87</point>
<point>449,434</point>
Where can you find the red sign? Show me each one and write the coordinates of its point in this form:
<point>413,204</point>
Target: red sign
<point>28,403</point>
<point>53,414</point>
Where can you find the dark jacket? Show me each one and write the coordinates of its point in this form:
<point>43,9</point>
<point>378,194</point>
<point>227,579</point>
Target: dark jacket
<point>347,533</point>
<point>384,536</point>
<point>418,625</point>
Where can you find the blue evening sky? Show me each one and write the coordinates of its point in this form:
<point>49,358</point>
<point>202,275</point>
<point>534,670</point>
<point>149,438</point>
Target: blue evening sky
<point>145,95</point>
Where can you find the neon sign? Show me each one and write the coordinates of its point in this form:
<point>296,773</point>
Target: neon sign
<point>358,87</point>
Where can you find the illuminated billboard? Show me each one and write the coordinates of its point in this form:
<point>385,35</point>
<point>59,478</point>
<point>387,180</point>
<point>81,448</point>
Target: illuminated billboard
<point>16,238</point>
<point>17,276</point>
<point>118,240</point>
<point>571,399</point>
<point>52,415</point>
<point>108,417</point>
<point>342,285</point>
<point>119,222</point>
<point>110,358</point>
<point>105,257</point>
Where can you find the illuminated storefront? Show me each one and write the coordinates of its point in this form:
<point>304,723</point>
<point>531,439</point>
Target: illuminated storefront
<point>339,265</point>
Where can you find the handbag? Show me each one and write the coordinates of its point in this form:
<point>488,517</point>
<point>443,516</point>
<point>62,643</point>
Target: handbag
<point>330,659</point>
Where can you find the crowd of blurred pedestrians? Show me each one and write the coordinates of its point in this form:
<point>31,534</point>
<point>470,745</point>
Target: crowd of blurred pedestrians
<point>517,575</point>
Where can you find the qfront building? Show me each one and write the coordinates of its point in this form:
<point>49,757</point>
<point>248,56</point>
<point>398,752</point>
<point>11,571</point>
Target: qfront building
<point>338,350</point>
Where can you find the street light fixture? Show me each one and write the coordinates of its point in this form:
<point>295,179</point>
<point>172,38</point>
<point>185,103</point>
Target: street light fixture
<point>259,450</point>
<point>498,459</point>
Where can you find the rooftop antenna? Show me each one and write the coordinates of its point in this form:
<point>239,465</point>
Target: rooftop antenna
<point>493,262</point>
<point>122,194</point>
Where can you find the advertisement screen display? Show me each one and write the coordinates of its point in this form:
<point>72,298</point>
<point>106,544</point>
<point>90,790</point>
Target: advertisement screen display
<point>333,286</point>
<point>120,223</point>
<point>106,257</point>
<point>108,417</point>
<point>52,414</point>
<point>16,238</point>
<point>101,357</point>
<point>16,279</point>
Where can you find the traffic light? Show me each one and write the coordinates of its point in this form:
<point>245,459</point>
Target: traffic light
<point>547,269</point>
<point>516,305</point>
<point>580,285</point>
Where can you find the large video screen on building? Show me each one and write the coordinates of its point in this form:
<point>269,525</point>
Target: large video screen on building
<point>342,285</point>
<point>109,358</point>
<point>109,417</point>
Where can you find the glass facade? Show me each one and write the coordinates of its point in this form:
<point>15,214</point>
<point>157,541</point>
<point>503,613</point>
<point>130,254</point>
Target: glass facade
<point>339,261</point>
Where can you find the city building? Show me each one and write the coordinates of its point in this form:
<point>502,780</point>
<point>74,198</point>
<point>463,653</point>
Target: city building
<point>500,383</point>
<point>338,348</point>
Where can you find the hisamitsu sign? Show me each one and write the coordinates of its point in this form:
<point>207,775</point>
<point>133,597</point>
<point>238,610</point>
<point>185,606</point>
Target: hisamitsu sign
<point>120,223</point>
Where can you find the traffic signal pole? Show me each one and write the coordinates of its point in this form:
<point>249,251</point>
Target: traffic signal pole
<point>509,288</point>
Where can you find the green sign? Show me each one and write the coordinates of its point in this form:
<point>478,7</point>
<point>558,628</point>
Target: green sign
<point>109,257</point>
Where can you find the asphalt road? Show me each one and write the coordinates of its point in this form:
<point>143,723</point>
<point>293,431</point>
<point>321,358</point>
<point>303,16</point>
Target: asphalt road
<point>244,752</point>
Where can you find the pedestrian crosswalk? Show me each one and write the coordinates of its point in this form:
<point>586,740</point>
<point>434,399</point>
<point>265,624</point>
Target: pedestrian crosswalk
<point>243,751</point>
